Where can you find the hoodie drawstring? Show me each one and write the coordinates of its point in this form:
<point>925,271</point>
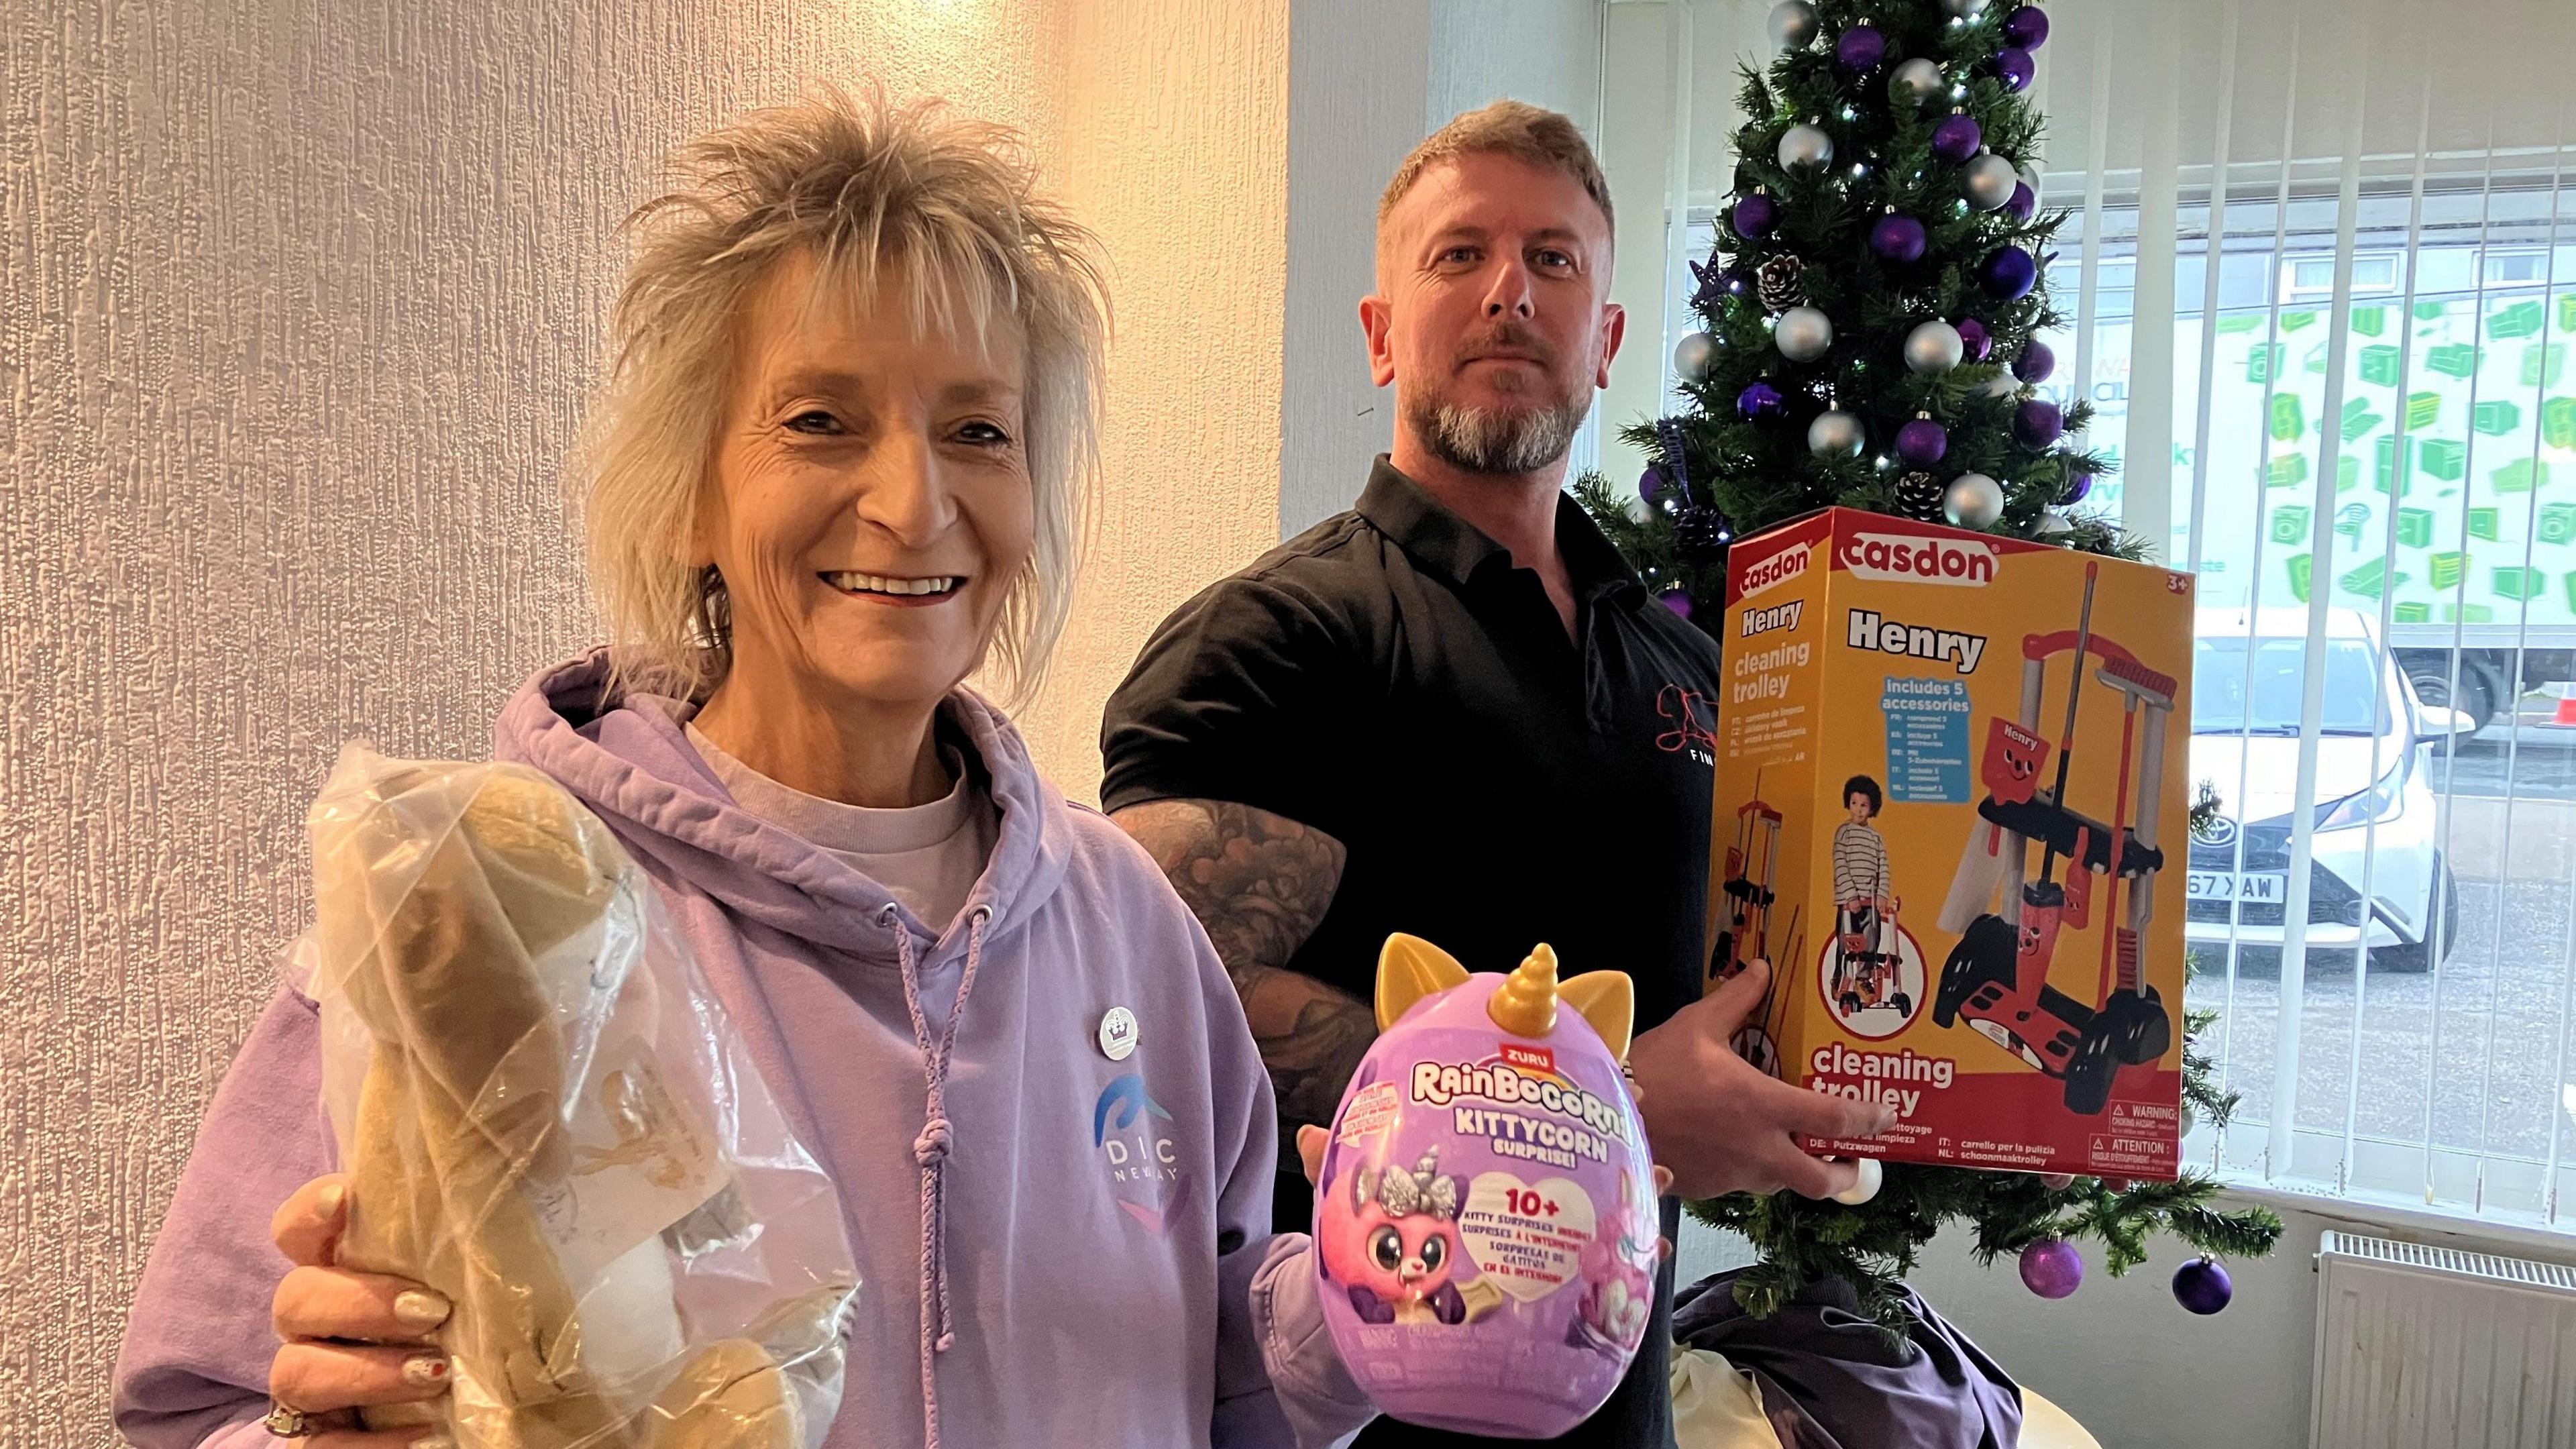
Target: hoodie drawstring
<point>930,1150</point>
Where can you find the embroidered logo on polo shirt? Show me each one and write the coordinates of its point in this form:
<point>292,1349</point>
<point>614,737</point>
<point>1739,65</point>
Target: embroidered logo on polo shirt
<point>1693,724</point>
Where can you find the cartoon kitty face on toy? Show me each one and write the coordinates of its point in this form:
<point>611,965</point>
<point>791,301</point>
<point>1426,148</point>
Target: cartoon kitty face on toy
<point>1619,1293</point>
<point>1395,1245</point>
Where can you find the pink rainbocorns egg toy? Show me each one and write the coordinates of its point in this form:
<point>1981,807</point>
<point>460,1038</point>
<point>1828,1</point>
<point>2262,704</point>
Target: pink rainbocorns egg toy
<point>1485,1218</point>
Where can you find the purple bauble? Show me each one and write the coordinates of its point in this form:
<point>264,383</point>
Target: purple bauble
<point>1921,443</point>
<point>1897,239</point>
<point>2035,363</point>
<point>2052,1268</point>
<point>1650,484</point>
<point>2038,422</point>
<point>1860,49</point>
<point>1974,341</point>
<point>2016,68</point>
<point>2076,488</point>
<point>1676,599</point>
<point>1957,137</point>
<point>2202,1286</point>
<point>2008,274</point>
<point>1754,216</point>
<point>1760,402</point>
<point>2026,28</point>
<point>2024,202</point>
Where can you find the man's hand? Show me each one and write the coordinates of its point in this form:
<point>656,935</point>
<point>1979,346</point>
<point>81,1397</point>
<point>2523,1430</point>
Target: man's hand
<point>1722,1124</point>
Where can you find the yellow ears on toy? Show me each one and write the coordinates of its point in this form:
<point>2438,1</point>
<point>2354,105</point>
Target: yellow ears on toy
<point>1410,968</point>
<point>1608,1000</point>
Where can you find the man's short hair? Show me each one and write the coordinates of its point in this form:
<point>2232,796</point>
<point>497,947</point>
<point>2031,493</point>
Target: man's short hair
<point>1517,129</point>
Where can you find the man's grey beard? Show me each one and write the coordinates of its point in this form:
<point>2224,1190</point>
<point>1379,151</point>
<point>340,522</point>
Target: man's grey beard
<point>1478,440</point>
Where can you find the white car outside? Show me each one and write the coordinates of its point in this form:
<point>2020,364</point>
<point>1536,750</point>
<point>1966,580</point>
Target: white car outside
<point>2374,802</point>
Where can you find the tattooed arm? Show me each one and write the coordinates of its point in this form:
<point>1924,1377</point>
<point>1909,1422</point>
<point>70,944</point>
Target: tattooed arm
<point>1259,883</point>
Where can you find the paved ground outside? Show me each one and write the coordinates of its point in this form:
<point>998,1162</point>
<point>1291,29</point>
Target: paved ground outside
<point>2487,1043</point>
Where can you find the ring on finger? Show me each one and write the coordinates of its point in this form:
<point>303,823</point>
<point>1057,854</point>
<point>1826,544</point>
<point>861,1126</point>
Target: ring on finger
<point>286,1422</point>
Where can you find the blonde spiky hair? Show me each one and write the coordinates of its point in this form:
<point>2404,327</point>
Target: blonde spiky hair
<point>941,208</point>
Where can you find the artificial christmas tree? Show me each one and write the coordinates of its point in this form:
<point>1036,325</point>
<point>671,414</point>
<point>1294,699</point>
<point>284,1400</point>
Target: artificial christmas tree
<point>1869,338</point>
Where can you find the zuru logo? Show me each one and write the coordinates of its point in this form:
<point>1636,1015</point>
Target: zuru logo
<point>1780,567</point>
<point>1919,560</point>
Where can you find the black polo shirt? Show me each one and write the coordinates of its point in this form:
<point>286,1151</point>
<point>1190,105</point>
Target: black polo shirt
<point>1390,678</point>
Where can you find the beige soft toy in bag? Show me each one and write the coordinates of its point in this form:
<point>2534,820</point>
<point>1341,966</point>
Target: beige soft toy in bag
<point>520,1061</point>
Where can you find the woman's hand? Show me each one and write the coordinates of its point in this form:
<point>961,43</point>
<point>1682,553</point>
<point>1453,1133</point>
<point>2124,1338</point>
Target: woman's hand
<point>348,1340</point>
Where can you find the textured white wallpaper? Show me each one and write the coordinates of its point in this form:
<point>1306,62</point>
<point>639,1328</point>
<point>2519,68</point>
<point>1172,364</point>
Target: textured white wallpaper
<point>298,306</point>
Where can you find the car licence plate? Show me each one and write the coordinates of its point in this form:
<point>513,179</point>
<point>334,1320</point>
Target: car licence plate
<point>2269,889</point>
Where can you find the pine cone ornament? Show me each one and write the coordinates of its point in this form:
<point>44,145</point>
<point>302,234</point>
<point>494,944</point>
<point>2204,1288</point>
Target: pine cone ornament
<point>1782,284</point>
<point>1701,533</point>
<point>1919,496</point>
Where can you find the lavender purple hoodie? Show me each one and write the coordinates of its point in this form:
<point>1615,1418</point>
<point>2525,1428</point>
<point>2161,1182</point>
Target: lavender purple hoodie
<point>1095,1232</point>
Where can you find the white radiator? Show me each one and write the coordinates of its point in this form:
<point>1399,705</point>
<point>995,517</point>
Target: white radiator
<point>2429,1348</point>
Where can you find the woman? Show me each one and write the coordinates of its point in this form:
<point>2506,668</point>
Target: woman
<point>839,469</point>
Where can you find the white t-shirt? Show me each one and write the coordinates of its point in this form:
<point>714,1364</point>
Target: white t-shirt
<point>926,856</point>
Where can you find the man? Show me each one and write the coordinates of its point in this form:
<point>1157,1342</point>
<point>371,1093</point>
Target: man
<point>1438,712</point>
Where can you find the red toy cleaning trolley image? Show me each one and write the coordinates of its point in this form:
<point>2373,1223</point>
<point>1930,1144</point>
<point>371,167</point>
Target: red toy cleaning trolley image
<point>1906,705</point>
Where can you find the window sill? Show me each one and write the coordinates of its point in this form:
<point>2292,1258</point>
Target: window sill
<point>2389,1217</point>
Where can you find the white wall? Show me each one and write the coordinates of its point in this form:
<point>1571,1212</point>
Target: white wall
<point>1545,52</point>
<point>1359,72</point>
<point>1171,142</point>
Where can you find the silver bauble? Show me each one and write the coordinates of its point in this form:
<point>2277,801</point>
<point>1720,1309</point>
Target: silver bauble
<point>1989,181</point>
<point>1964,9</point>
<point>1934,347</point>
<point>1836,434</point>
<point>2051,524</point>
<point>1793,25</point>
<point>1973,500</point>
<point>1916,82</point>
<point>1692,355</point>
<point>1806,148</point>
<point>1803,334</point>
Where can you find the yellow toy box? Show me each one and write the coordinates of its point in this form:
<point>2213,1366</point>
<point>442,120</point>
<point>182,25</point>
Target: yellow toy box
<point>1949,767</point>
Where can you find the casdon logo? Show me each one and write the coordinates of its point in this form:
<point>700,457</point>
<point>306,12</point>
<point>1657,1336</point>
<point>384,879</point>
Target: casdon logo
<point>1919,560</point>
<point>1780,567</point>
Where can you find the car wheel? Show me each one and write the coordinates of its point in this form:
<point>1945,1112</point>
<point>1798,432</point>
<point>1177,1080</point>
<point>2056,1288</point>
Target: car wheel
<point>2415,959</point>
<point>2477,695</point>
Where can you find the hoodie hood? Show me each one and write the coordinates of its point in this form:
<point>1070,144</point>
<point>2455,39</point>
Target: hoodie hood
<point>626,757</point>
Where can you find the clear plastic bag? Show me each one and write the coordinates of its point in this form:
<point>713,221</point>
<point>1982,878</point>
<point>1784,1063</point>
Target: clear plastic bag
<point>546,1116</point>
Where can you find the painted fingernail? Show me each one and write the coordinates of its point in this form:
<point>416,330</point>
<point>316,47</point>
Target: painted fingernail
<point>433,1441</point>
<point>333,1198</point>
<point>421,1308</point>
<point>425,1370</point>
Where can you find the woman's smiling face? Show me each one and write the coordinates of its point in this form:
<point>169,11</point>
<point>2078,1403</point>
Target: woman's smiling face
<point>869,503</point>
